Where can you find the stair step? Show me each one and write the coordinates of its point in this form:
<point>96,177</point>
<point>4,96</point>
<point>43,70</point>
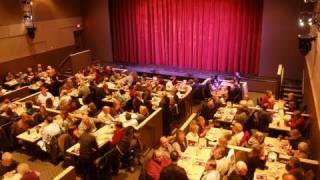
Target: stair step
<point>298,99</point>
<point>296,95</point>
<point>292,90</point>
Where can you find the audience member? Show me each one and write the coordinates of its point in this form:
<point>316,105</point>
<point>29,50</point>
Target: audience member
<point>192,136</point>
<point>7,164</point>
<point>87,155</point>
<point>173,171</point>
<point>165,147</point>
<point>180,144</point>
<point>240,172</point>
<point>238,134</point>
<point>43,96</point>
<point>210,171</point>
<point>156,164</point>
<point>27,173</point>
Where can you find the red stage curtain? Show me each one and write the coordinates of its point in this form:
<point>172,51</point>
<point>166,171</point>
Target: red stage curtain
<point>215,35</point>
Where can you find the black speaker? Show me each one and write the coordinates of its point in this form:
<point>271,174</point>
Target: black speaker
<point>31,32</point>
<point>305,43</point>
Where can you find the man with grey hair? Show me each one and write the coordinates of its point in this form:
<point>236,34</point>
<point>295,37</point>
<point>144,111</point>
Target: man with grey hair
<point>240,171</point>
<point>165,146</point>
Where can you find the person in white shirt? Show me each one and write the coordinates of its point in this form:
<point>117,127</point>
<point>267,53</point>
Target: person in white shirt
<point>169,85</point>
<point>222,162</point>
<point>192,136</point>
<point>49,130</point>
<point>86,124</point>
<point>104,116</point>
<point>211,173</point>
<point>238,134</point>
<point>43,96</point>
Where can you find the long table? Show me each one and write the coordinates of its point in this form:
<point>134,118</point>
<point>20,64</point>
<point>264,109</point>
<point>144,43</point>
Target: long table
<point>194,160</point>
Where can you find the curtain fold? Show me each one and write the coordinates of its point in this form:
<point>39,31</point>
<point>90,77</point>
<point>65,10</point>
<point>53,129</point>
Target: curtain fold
<point>215,35</point>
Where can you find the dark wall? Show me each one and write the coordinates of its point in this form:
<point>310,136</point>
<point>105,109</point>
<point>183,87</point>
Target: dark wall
<point>52,58</point>
<point>279,38</point>
<point>11,10</point>
<point>96,31</point>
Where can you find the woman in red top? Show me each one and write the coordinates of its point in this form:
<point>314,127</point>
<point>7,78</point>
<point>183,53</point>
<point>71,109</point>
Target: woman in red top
<point>118,133</point>
<point>297,121</point>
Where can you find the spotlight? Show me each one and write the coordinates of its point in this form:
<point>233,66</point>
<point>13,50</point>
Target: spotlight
<point>310,1</point>
<point>307,18</point>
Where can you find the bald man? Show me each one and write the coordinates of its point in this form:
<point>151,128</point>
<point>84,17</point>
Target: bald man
<point>240,172</point>
<point>156,164</point>
<point>288,177</point>
<point>165,147</point>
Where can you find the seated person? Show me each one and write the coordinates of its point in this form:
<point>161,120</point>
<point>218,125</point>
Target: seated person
<point>256,159</point>
<point>143,113</point>
<point>223,163</point>
<point>203,128</point>
<point>116,108</point>
<point>208,110</point>
<point>48,131</point>
<point>86,124</point>
<point>9,76</point>
<point>297,121</point>
<point>211,172</point>
<point>242,114</point>
<point>173,171</point>
<point>295,138</point>
<point>238,134</point>
<point>266,98</point>
<point>49,103</point>
<point>7,164</point>
<point>180,144</point>
<point>294,167</point>
<point>8,112</point>
<point>68,85</point>
<point>93,111</point>
<point>40,116</point>
<point>288,176</point>
<point>249,102</point>
<point>43,96</point>
<point>302,151</point>
<point>137,101</point>
<point>26,173</point>
<point>192,136</point>
<point>118,133</point>
<point>240,171</point>
<point>65,98</point>
<point>262,119</point>
<point>29,108</point>
<point>292,104</point>
<point>165,147</point>
<point>256,139</point>
<point>156,164</point>
<point>104,116</point>
<point>84,90</point>
<point>22,125</point>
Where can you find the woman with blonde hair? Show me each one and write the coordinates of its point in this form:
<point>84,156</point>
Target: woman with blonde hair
<point>238,134</point>
<point>192,136</point>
